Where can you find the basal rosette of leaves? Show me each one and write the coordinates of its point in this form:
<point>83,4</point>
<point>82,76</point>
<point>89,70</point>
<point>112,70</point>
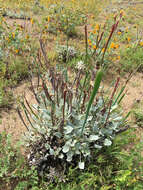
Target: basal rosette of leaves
<point>55,131</point>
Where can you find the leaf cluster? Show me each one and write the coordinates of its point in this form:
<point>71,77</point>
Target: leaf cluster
<point>64,126</point>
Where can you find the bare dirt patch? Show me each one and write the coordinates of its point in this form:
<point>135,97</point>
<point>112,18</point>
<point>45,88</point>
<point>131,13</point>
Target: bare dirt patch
<point>11,122</point>
<point>134,92</point>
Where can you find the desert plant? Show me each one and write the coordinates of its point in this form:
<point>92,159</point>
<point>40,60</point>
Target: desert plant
<point>68,123</point>
<point>67,128</point>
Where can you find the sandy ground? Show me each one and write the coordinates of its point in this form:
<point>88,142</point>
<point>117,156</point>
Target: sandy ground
<point>11,122</point>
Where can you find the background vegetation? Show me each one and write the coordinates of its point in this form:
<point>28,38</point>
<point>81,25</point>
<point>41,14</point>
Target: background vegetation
<point>36,35</point>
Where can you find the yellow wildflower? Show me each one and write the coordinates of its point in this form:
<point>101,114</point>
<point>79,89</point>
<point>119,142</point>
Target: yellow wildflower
<point>118,57</point>
<point>48,19</point>
<point>119,33</point>
<point>92,16</point>
<point>141,43</point>
<point>109,49</point>
<point>7,39</point>
<point>32,21</point>
<point>89,42</point>
<point>122,13</point>
<point>27,36</point>
<point>126,29</point>
<point>13,34</point>
<point>97,27</point>
<point>3,19</point>
<point>115,39</point>
<point>127,46</point>
<point>114,59</point>
<point>107,17</point>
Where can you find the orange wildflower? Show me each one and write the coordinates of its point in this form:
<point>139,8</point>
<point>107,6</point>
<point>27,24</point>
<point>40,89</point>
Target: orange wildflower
<point>48,19</point>
<point>116,46</point>
<point>94,47</point>
<point>103,50</point>
<point>128,39</point>
<point>94,31</point>
<point>16,51</point>
<point>112,45</point>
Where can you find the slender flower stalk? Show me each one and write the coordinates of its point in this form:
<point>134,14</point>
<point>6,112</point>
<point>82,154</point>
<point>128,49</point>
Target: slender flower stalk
<point>111,100</point>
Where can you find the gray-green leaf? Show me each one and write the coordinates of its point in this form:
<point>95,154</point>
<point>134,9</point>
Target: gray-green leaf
<point>81,165</point>
<point>107,142</point>
<point>94,137</point>
<point>68,129</point>
<point>66,148</point>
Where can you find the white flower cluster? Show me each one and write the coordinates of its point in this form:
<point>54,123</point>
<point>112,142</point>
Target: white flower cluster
<point>65,52</point>
<point>80,65</point>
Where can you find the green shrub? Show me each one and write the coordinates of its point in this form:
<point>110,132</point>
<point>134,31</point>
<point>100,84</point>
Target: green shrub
<point>65,19</point>
<point>132,58</point>
<point>14,172</point>
<point>6,97</point>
